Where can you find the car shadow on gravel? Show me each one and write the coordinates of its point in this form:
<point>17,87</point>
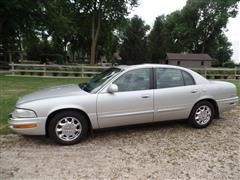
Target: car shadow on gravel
<point>43,140</point>
<point>140,128</point>
<point>107,134</point>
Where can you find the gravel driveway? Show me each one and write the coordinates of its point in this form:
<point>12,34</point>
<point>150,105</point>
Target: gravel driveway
<point>161,151</point>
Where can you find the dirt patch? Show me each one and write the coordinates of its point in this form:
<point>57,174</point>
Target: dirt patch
<point>2,126</point>
<point>160,151</point>
<point>10,92</point>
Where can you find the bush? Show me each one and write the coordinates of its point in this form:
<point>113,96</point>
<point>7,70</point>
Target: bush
<point>229,64</point>
<point>221,72</point>
<point>64,74</point>
<point>55,74</point>
<point>59,59</point>
<point>76,74</point>
<point>40,73</point>
<point>52,58</point>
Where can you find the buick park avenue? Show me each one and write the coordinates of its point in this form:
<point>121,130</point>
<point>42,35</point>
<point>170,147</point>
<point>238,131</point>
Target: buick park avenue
<point>122,95</point>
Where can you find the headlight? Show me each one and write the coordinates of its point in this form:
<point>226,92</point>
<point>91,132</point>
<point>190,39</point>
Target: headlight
<point>23,113</point>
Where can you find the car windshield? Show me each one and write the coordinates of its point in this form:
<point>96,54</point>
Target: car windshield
<point>98,80</point>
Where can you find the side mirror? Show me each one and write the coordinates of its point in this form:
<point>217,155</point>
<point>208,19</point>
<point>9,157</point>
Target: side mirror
<point>112,88</point>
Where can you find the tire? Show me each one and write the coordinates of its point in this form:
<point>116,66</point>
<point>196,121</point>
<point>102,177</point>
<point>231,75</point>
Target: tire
<point>201,115</point>
<point>68,127</point>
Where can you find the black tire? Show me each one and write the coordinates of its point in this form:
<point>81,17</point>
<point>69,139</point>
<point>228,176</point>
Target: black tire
<point>192,118</point>
<point>54,122</point>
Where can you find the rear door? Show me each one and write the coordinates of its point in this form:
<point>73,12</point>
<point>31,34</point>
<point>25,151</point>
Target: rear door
<point>174,95</point>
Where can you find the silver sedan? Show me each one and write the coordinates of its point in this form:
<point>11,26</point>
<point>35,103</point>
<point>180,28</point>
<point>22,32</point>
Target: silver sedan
<point>121,96</point>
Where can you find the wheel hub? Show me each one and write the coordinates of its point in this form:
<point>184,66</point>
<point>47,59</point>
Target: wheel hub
<point>203,115</point>
<point>68,128</point>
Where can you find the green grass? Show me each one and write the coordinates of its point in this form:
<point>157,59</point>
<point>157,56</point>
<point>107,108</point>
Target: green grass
<point>11,88</point>
<point>237,83</point>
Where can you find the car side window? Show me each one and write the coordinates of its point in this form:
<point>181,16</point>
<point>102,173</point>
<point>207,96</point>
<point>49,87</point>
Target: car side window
<point>167,77</point>
<point>188,79</point>
<point>134,80</point>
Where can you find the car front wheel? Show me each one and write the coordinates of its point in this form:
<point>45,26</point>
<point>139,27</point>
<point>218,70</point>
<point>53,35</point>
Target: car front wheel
<point>68,127</point>
<point>202,114</point>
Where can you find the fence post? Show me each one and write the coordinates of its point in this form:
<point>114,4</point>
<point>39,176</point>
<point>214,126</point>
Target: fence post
<point>235,72</point>
<point>82,75</point>
<point>44,69</point>
<point>12,68</point>
<point>205,72</point>
<point>10,58</point>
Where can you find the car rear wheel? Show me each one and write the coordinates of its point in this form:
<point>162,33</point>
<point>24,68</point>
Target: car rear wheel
<point>202,114</point>
<point>68,127</point>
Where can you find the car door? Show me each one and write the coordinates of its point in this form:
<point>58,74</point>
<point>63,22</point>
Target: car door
<point>174,95</point>
<point>131,104</point>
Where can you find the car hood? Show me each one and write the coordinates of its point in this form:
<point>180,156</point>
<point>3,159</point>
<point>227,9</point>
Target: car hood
<point>58,91</point>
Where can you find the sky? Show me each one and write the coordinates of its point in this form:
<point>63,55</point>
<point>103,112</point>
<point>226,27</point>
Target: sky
<point>148,10</point>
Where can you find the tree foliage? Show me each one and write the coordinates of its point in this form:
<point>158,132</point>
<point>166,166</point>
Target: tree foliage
<point>197,28</point>
<point>66,24</point>
<point>93,28</point>
<point>18,19</point>
<point>134,47</point>
<point>157,40</point>
<point>107,13</point>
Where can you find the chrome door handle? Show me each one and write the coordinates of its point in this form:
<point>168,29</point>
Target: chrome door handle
<point>194,91</point>
<point>145,96</point>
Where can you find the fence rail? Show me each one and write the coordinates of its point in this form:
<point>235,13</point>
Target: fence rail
<point>88,71</point>
<point>55,70</point>
<point>219,73</point>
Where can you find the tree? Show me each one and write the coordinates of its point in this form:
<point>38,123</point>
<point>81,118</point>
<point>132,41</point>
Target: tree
<point>18,19</point>
<point>197,28</point>
<point>103,12</point>
<point>134,47</point>
<point>220,49</point>
<point>208,18</point>
<point>157,40</point>
<point>49,34</point>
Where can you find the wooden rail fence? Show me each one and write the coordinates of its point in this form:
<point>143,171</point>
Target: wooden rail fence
<point>85,71</point>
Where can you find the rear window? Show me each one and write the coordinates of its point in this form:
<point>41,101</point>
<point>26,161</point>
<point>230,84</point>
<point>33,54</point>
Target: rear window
<point>188,79</point>
<point>167,77</point>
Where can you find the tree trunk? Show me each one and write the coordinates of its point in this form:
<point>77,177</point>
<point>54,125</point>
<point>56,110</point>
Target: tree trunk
<point>203,47</point>
<point>95,34</point>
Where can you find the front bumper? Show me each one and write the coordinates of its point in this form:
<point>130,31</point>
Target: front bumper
<point>28,126</point>
<point>226,104</point>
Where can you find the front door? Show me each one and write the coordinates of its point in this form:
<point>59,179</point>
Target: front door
<point>132,104</point>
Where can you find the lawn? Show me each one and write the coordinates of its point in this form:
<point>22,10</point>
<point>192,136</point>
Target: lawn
<point>237,83</point>
<point>11,88</point>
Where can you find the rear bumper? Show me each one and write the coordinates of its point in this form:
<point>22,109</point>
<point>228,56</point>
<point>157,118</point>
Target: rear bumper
<point>28,126</point>
<point>226,104</point>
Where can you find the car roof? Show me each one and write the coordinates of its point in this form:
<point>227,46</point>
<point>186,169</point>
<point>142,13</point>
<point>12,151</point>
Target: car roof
<point>125,67</point>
